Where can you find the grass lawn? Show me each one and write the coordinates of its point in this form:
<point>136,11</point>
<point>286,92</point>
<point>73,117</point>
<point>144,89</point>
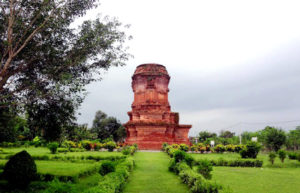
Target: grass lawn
<point>61,168</point>
<point>259,180</point>
<point>151,175</point>
<point>45,151</point>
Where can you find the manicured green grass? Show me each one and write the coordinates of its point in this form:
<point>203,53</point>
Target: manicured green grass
<point>151,175</point>
<point>264,157</point>
<point>39,151</point>
<point>259,180</point>
<point>61,168</point>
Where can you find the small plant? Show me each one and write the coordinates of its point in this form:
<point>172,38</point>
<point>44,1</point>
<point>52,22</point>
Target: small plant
<point>282,155</point>
<point>106,167</point>
<point>194,148</point>
<point>126,150</point>
<point>20,170</point>
<point>164,146</point>
<point>179,156</point>
<point>204,168</point>
<point>36,141</point>
<point>251,150</point>
<point>110,146</point>
<point>189,160</point>
<point>184,147</point>
<point>272,157</point>
<point>220,148</point>
<point>53,147</point>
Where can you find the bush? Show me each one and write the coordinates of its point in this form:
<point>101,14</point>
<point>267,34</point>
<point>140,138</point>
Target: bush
<point>282,155</point>
<point>126,151</point>
<point>172,165</point>
<point>220,148</point>
<point>179,156</point>
<point>110,146</point>
<point>293,156</point>
<point>20,170</point>
<point>204,168</point>
<point>107,167</point>
<point>251,150</point>
<point>272,157</point>
<point>164,146</point>
<point>189,160</point>
<point>194,148</point>
<point>53,147</point>
<point>183,147</point>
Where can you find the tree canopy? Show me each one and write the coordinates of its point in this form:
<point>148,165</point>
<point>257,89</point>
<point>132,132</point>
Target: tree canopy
<point>45,63</point>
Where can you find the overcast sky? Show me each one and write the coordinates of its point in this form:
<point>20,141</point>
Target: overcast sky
<point>233,64</point>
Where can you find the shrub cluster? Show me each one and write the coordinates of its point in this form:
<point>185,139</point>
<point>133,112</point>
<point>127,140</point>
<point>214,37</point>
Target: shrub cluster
<point>294,156</point>
<point>196,182</point>
<point>114,182</point>
<point>129,150</point>
<point>251,150</point>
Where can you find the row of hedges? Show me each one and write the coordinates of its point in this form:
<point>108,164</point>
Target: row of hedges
<point>114,182</point>
<point>71,158</point>
<point>234,163</point>
<point>182,164</point>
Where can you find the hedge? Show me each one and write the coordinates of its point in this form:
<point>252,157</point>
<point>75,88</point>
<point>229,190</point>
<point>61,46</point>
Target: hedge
<point>235,163</point>
<point>114,182</point>
<point>196,182</point>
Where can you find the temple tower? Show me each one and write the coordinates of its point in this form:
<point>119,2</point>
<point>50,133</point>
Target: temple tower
<point>151,121</point>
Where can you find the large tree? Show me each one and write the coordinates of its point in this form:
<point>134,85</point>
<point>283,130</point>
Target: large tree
<point>106,127</point>
<point>272,138</point>
<point>44,60</point>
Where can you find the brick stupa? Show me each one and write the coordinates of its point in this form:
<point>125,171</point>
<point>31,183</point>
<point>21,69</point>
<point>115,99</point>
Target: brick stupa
<point>151,121</point>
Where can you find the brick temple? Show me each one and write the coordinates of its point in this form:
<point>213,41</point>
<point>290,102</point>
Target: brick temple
<point>151,121</point>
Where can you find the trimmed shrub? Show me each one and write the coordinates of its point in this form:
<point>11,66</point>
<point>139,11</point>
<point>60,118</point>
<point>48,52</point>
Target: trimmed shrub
<point>172,165</point>
<point>53,147</point>
<point>189,160</point>
<point>220,148</point>
<point>20,170</point>
<point>183,147</point>
<point>126,151</point>
<point>107,167</point>
<point>272,157</point>
<point>110,146</point>
<point>251,150</point>
<point>194,148</point>
<point>293,156</point>
<point>282,155</point>
<point>205,168</point>
<point>179,156</point>
<point>164,146</point>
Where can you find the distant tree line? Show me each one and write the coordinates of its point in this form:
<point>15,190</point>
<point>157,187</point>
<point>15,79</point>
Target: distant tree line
<point>271,138</point>
<point>18,128</point>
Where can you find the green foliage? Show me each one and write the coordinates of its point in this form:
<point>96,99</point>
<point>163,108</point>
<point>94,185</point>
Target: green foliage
<point>293,139</point>
<point>205,168</point>
<point>53,147</point>
<point>272,157</point>
<point>114,182</point>
<point>205,135</point>
<point>251,150</point>
<point>189,160</point>
<point>293,155</point>
<point>196,182</point>
<point>56,186</point>
<point>179,156</point>
<point>164,146</point>
<point>273,138</point>
<point>235,163</point>
<point>107,167</point>
<point>184,147</point>
<point>220,148</point>
<point>20,170</point>
<point>106,127</point>
<point>110,146</point>
<point>282,155</point>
